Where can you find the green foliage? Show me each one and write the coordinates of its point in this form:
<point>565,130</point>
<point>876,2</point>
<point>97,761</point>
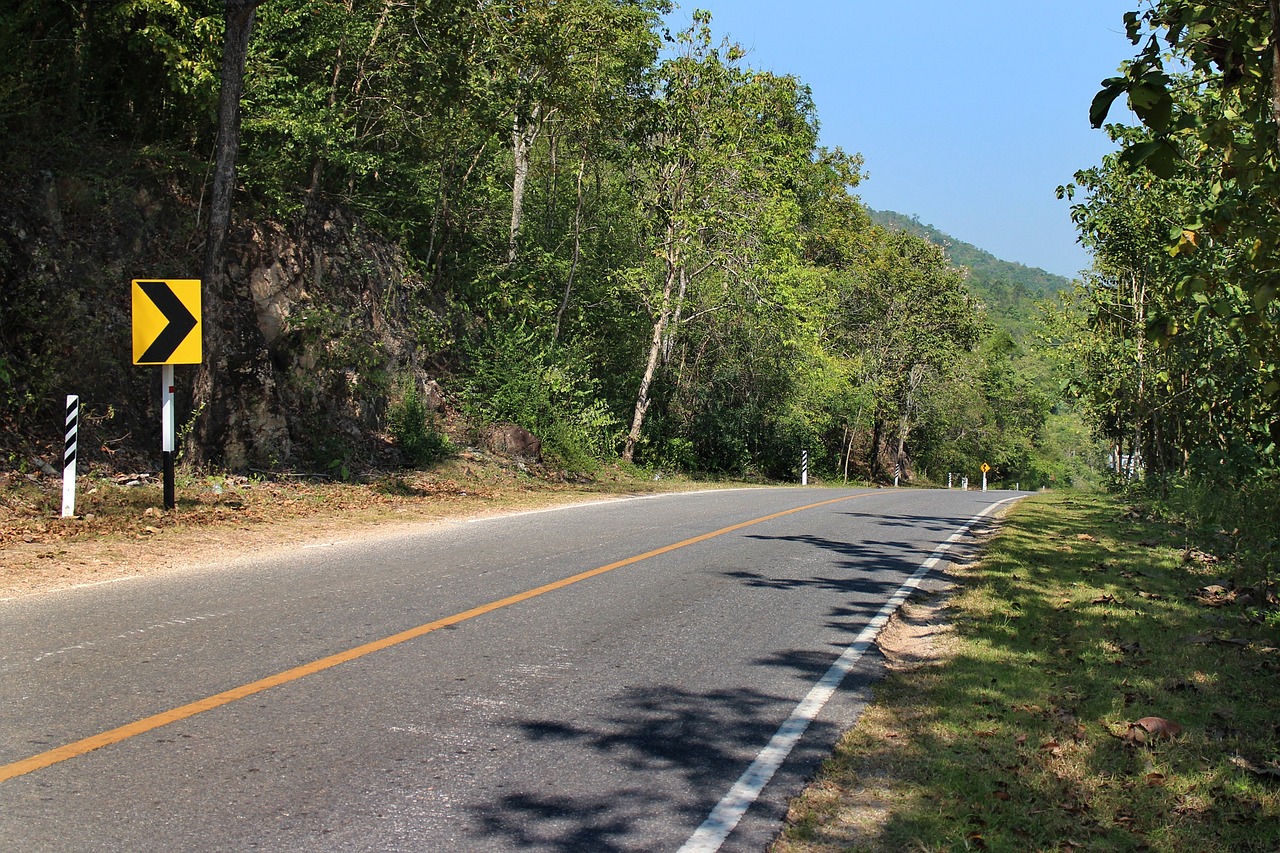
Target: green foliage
<point>414,428</point>
<point>982,265</point>
<point>1173,357</point>
<point>1238,516</point>
<point>1202,83</point>
<point>514,378</point>
<point>596,230</point>
<point>338,346</point>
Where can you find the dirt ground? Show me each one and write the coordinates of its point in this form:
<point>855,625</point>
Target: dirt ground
<point>120,530</point>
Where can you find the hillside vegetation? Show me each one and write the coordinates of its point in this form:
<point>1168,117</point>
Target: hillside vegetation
<point>1008,290</point>
<point>426,226</point>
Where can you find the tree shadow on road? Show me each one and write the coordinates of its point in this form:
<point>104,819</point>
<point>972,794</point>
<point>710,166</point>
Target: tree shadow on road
<point>699,742</point>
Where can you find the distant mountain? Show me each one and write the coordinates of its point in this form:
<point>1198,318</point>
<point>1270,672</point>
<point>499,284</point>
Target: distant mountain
<point>1008,289</point>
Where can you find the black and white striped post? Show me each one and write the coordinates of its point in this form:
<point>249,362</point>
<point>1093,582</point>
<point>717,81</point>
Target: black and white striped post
<point>804,467</point>
<point>69,457</point>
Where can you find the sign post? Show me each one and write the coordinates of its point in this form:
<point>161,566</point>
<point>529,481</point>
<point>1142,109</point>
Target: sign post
<point>804,467</point>
<point>985,469</point>
<point>167,331</point>
<point>168,432</point>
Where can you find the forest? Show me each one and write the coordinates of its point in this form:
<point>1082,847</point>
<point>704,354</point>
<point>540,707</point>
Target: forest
<point>418,221</point>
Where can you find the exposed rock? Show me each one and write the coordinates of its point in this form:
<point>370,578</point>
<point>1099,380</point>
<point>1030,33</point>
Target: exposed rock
<point>514,441</point>
<point>433,395</point>
<point>319,320</point>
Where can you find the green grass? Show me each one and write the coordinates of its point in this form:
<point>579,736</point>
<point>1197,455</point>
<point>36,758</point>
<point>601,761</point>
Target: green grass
<point>1084,617</point>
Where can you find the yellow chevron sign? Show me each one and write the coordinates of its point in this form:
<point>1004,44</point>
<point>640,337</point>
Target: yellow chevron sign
<point>166,321</point>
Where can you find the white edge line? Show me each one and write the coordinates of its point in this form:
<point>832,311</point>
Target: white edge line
<point>86,585</point>
<point>713,832</point>
<point>608,499</point>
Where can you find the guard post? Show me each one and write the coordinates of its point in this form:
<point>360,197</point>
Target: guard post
<point>69,456</point>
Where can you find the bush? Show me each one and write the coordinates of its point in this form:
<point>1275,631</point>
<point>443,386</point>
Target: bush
<point>414,429</point>
<point>517,379</point>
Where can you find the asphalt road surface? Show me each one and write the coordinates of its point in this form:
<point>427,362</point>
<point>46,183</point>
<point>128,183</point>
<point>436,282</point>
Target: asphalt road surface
<point>642,674</point>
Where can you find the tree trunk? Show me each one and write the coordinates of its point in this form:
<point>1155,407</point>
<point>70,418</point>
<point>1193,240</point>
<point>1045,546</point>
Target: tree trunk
<point>904,427</point>
<point>211,407</point>
<point>655,349</point>
<point>877,435</point>
<point>1140,338</point>
<point>523,135</point>
<point>1274,7</point>
<point>577,248</point>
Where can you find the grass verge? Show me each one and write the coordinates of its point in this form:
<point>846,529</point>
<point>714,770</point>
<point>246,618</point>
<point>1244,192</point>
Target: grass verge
<point>1113,688</point>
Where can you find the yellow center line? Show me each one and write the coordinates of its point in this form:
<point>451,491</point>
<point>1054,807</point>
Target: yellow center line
<point>155,721</point>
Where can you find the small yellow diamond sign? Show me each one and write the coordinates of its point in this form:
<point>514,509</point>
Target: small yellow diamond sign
<point>985,467</point>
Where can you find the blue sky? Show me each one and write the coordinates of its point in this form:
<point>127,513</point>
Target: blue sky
<point>969,115</point>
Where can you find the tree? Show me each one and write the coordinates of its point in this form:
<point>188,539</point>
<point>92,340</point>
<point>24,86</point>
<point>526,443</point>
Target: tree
<point>906,317</point>
<point>1169,369</point>
<point>1206,85</point>
<point>719,169</point>
<point>212,421</point>
<point>1219,107</point>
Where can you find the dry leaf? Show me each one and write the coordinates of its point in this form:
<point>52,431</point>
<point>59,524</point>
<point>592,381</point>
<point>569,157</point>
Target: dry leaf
<point>1155,780</point>
<point>1267,771</point>
<point>1086,537</point>
<point>1150,729</point>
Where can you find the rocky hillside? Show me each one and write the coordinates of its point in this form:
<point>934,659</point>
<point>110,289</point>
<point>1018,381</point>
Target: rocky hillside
<point>330,325</point>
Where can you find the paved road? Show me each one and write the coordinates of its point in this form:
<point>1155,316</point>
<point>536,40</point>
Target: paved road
<point>518,683</point>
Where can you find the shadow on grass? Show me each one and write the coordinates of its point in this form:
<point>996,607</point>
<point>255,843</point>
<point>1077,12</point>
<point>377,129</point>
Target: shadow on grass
<point>1080,624</point>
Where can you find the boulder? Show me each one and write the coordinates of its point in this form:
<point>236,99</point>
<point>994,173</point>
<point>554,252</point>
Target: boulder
<point>514,441</point>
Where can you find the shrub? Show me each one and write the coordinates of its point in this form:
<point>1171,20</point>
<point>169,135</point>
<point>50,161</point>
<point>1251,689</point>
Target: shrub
<point>414,429</point>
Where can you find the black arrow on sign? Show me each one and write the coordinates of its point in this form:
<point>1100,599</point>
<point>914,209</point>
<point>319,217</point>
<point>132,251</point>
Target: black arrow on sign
<point>181,322</point>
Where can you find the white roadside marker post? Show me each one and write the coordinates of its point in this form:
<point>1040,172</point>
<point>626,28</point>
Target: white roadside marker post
<point>69,457</point>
